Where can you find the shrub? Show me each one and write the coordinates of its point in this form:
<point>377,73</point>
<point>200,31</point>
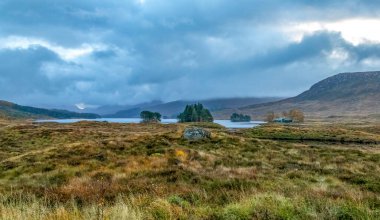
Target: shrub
<point>148,116</point>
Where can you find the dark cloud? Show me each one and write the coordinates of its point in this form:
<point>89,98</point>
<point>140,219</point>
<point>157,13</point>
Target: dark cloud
<point>310,47</point>
<point>20,71</point>
<point>172,50</point>
<point>104,54</point>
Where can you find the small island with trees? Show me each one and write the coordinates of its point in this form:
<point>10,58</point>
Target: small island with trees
<point>149,117</point>
<point>195,113</point>
<point>235,117</point>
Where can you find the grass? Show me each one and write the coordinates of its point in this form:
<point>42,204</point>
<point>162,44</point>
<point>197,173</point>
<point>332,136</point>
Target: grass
<point>332,133</point>
<point>97,170</point>
<point>29,207</point>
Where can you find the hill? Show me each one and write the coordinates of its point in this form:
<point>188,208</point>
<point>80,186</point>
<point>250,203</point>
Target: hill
<point>13,111</point>
<point>111,109</point>
<point>172,109</point>
<point>344,94</point>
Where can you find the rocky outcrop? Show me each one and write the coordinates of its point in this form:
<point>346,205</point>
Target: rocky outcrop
<point>195,133</point>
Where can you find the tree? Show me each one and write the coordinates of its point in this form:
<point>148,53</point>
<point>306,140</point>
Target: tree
<point>195,113</point>
<point>270,116</point>
<point>148,116</point>
<point>296,115</point>
<point>235,117</point>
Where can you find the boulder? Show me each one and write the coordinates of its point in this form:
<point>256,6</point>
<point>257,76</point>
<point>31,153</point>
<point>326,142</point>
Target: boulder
<point>195,133</point>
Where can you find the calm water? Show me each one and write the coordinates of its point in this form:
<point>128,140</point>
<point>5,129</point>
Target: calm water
<point>225,123</point>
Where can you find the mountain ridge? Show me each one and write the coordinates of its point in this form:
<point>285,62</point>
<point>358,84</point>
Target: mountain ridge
<point>172,109</point>
<point>351,93</point>
<point>11,110</point>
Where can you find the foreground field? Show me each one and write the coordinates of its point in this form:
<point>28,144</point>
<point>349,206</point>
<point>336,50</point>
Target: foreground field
<point>148,171</point>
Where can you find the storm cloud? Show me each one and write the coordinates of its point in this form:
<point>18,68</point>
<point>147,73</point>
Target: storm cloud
<point>61,53</point>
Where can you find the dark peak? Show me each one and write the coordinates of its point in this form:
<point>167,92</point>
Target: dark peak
<point>343,85</point>
<point>345,77</point>
<point>358,74</point>
<point>6,103</point>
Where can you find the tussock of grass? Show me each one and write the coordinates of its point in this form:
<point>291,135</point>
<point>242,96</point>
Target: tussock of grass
<point>275,206</point>
<point>20,207</point>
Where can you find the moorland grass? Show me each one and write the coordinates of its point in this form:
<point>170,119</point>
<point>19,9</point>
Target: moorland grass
<point>97,170</point>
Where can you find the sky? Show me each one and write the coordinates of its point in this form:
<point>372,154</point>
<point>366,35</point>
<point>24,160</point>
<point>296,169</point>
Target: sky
<point>88,53</point>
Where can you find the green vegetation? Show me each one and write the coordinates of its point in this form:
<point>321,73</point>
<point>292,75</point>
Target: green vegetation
<point>321,133</point>
<point>235,117</point>
<point>195,113</point>
<point>148,116</point>
<point>98,170</point>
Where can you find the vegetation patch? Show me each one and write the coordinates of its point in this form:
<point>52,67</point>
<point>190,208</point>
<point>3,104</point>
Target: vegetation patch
<point>94,170</point>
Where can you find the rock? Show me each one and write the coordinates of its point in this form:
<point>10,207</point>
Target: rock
<point>195,133</point>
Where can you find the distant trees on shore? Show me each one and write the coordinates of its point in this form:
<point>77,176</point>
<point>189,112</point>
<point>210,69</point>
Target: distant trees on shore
<point>270,116</point>
<point>148,116</point>
<point>235,117</point>
<point>195,113</point>
<point>296,115</point>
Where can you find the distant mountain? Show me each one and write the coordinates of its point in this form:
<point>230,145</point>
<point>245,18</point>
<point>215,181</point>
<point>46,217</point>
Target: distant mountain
<point>14,111</point>
<point>111,109</point>
<point>343,94</point>
<point>172,109</point>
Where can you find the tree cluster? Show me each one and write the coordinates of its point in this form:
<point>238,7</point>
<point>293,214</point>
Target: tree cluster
<point>235,117</point>
<point>195,113</point>
<point>148,116</point>
<point>270,116</point>
<point>295,115</point>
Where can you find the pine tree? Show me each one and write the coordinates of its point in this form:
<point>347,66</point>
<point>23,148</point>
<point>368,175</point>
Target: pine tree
<point>235,117</point>
<point>195,113</point>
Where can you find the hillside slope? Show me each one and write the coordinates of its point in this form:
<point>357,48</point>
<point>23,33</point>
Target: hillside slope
<point>343,94</point>
<point>111,109</point>
<point>13,111</point>
<point>172,109</point>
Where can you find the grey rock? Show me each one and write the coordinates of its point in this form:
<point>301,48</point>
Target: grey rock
<point>195,133</point>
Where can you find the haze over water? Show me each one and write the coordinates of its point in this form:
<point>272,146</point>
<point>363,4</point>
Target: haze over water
<point>225,123</point>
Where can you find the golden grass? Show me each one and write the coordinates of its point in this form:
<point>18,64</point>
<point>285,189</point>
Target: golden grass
<point>93,170</point>
<point>32,208</point>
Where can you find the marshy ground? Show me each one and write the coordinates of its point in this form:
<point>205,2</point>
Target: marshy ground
<point>98,170</point>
